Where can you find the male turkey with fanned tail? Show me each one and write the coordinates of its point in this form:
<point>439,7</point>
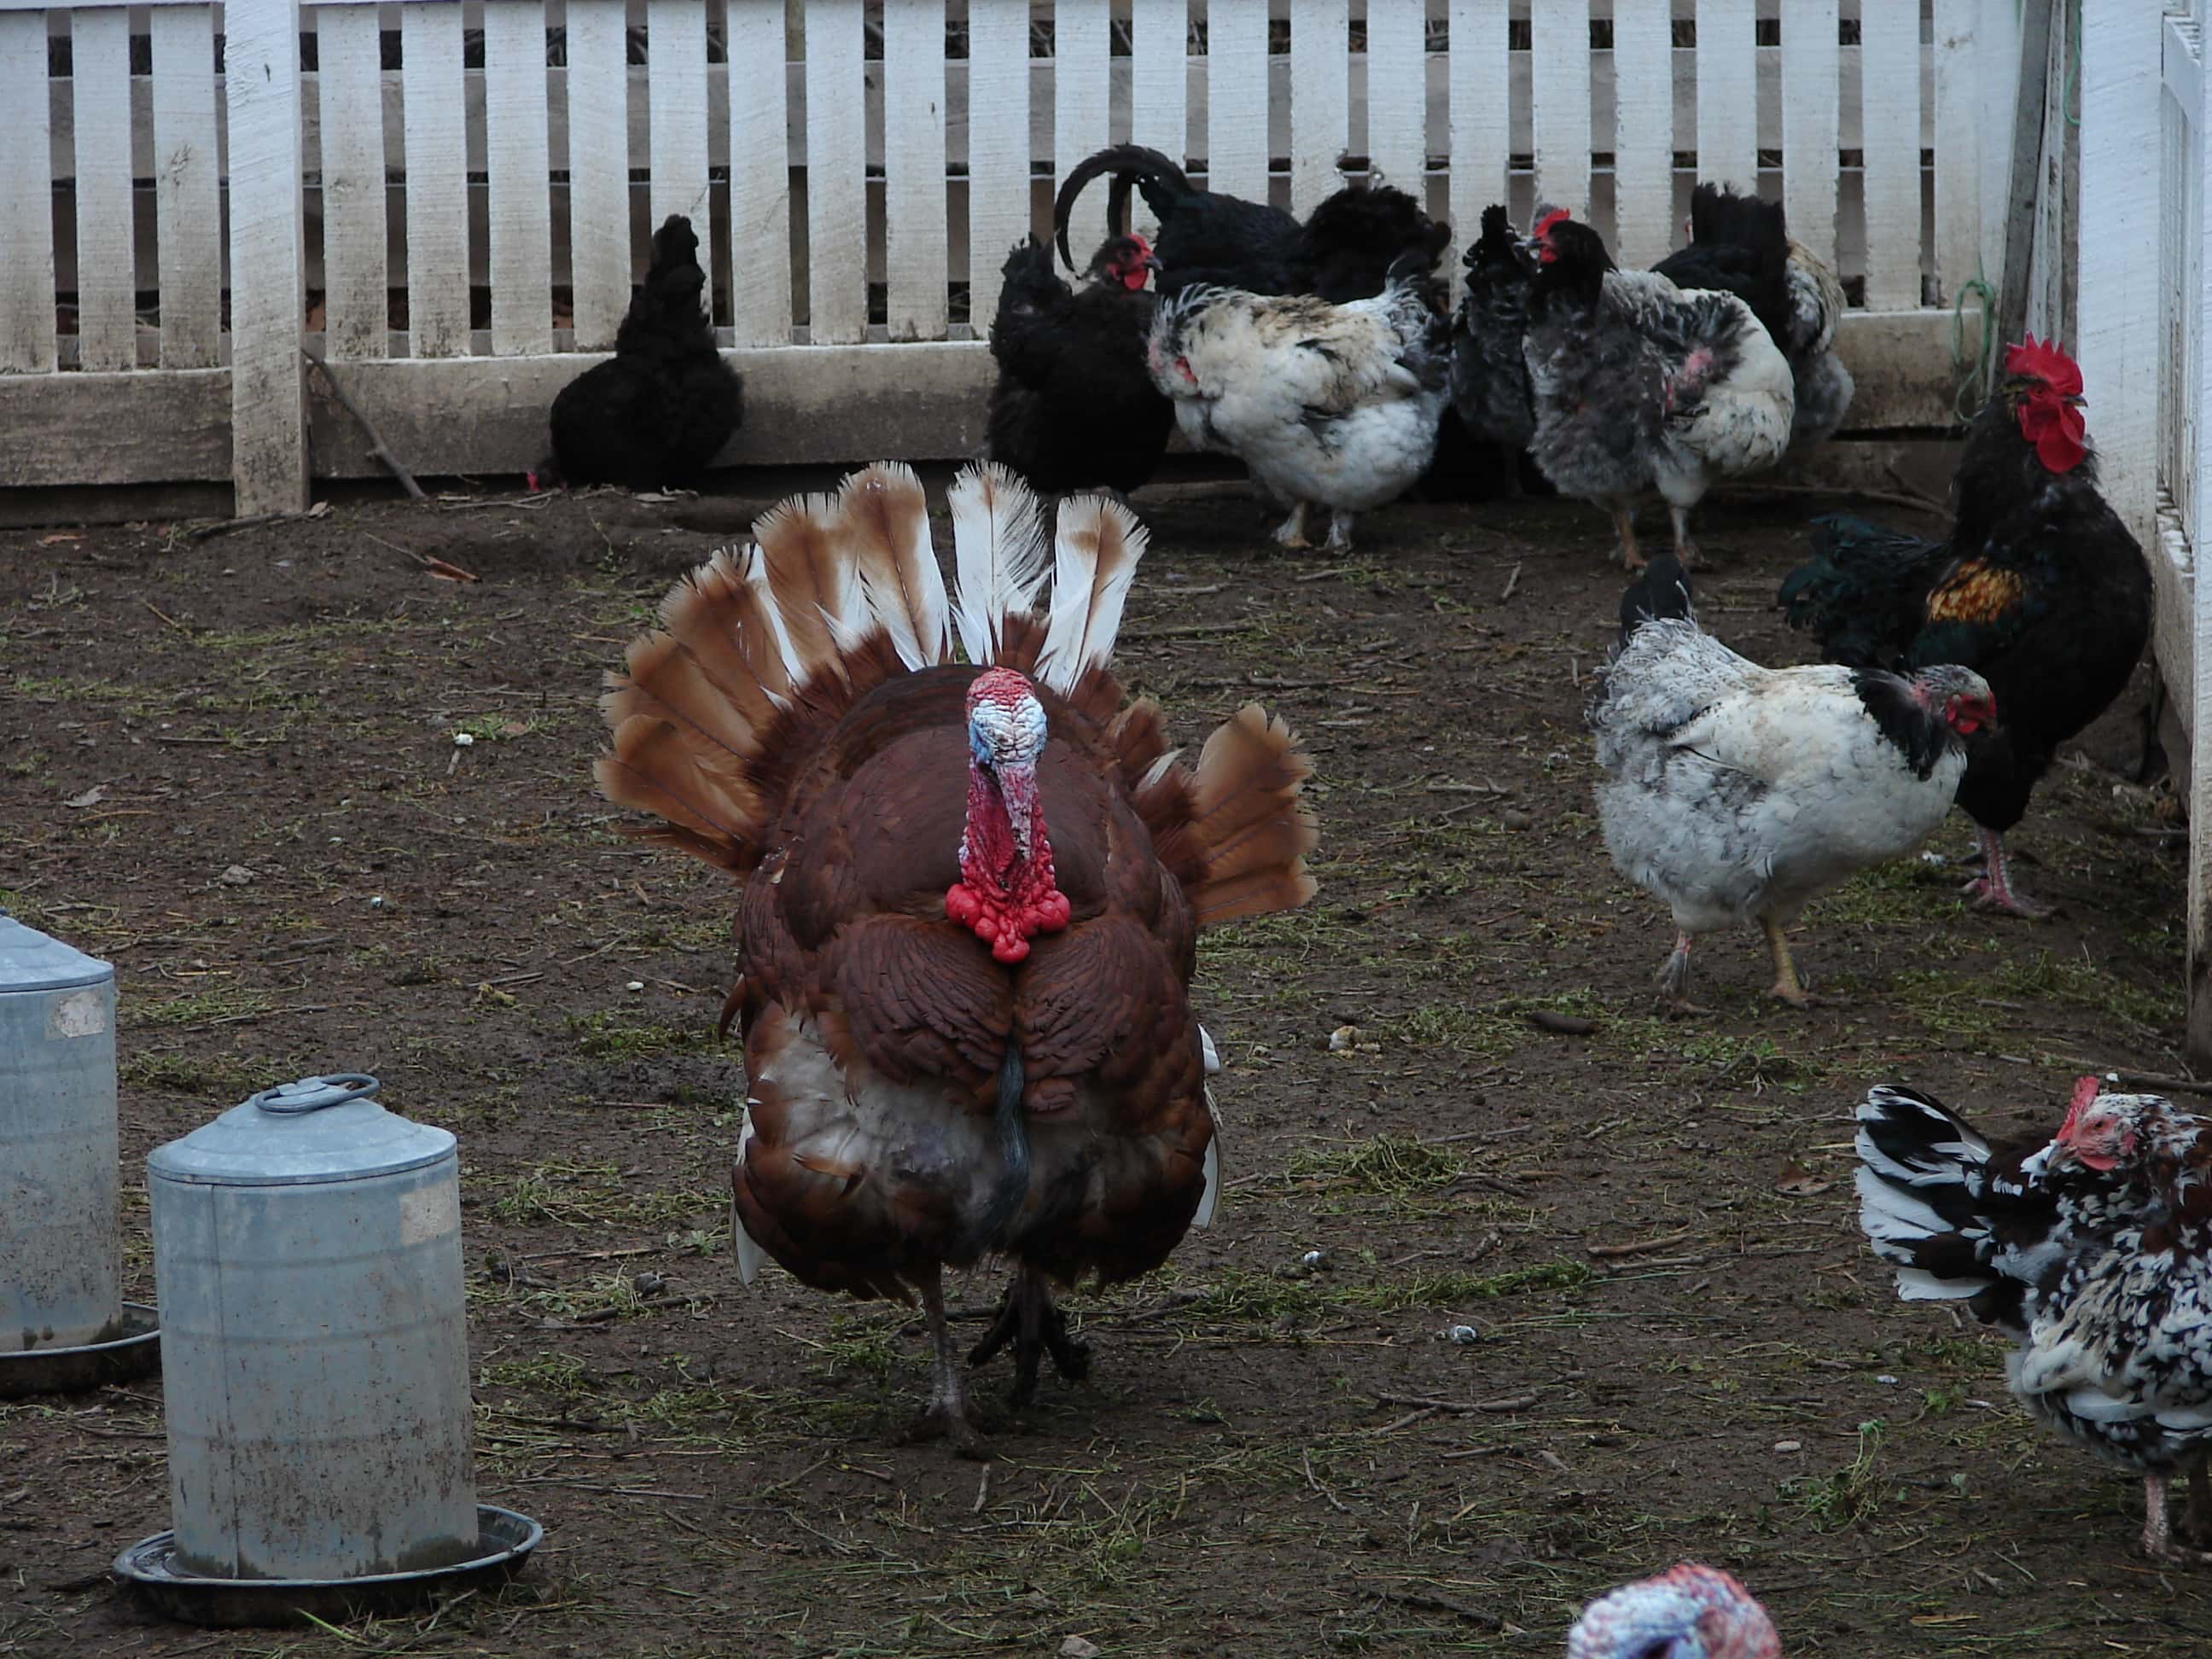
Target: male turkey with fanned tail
<point>971,895</point>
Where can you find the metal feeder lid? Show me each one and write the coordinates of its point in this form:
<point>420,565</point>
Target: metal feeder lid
<point>33,961</point>
<point>319,1129</point>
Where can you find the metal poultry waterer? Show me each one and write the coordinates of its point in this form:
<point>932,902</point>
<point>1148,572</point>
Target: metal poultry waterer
<point>62,1322</point>
<point>307,1248</point>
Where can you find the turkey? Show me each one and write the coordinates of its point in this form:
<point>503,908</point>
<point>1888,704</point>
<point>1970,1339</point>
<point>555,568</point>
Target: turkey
<point>2089,1250</point>
<point>1736,794</point>
<point>1688,1612</point>
<point>969,896</point>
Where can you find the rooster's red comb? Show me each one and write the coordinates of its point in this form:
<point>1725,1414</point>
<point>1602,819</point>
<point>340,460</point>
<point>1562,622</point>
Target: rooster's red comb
<point>1544,225</point>
<point>2085,1095</point>
<point>2044,360</point>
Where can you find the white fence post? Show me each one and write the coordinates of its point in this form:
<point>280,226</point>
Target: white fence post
<point>2118,308</point>
<point>269,433</point>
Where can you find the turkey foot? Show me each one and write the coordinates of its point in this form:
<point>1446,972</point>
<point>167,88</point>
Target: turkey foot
<point>2158,1528</point>
<point>1787,986</point>
<point>1027,1319</point>
<point>946,1416</point>
<point>1291,532</point>
<point>1993,889</point>
<point>1674,980</point>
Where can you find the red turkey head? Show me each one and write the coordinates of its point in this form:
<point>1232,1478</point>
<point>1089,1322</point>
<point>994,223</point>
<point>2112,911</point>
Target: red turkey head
<point>2048,401</point>
<point>1006,893</point>
<point>1690,1612</point>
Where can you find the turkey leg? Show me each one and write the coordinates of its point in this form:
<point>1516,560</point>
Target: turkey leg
<point>1786,985</point>
<point>947,1418</point>
<point>1027,1319</point>
<point>1993,888</point>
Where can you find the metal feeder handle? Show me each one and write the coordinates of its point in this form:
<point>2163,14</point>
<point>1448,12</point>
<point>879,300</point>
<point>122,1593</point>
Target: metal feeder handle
<point>313,1094</point>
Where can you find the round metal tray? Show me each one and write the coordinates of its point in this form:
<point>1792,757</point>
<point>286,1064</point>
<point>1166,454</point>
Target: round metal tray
<point>135,1353</point>
<point>148,1570</point>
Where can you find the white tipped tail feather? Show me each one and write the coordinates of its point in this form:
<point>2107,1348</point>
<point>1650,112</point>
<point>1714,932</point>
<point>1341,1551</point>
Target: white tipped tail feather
<point>998,561</point>
<point>1095,562</point>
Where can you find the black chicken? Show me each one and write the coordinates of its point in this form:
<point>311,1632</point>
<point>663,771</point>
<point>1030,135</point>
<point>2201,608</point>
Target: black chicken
<point>1489,374</point>
<point>1074,404</point>
<point>2039,588</point>
<point>657,411</point>
<point>1343,252</point>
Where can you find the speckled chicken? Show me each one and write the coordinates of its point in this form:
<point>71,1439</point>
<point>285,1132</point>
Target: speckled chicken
<point>1688,1612</point>
<point>1742,245</point>
<point>965,1034</point>
<point>1327,405</point>
<point>1639,385</point>
<point>1736,794</point>
<point>2091,1250</point>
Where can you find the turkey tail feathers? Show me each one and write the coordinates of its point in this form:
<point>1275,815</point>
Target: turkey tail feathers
<point>998,556</point>
<point>1095,557</point>
<point>885,520</point>
<point>1242,852</point>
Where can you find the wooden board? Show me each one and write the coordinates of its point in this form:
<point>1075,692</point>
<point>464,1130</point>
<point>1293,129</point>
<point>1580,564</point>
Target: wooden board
<point>597,145</point>
<point>678,117</point>
<point>760,175</point>
<point>1080,36</point>
<point>106,283</point>
<point>268,453</point>
<point>1959,66</point>
<point>1810,88</point>
<point>1890,54</point>
<point>1236,146</point>
<point>998,159</point>
<point>1397,93</point>
<point>26,252</point>
<point>1728,92</point>
<point>516,162</point>
<point>837,185</point>
<point>1321,101</point>
<point>1159,80</point>
<point>1480,120</point>
<point>914,201</point>
<point>437,180</point>
<point>1560,103</point>
<point>1644,228</point>
<point>356,272</point>
<point>107,429</point>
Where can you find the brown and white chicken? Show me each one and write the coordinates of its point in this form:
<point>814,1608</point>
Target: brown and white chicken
<point>971,892</point>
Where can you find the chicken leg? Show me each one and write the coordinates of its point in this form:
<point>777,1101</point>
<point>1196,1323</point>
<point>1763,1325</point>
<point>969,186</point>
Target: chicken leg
<point>1993,889</point>
<point>1339,532</point>
<point>947,1418</point>
<point>1624,530</point>
<point>2158,1527</point>
<point>1028,1319</point>
<point>1686,550</point>
<point>1291,532</point>
<point>1674,977</point>
<point>1786,985</point>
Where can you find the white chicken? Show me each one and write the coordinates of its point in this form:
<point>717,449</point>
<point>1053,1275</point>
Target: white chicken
<point>1736,792</point>
<point>1329,405</point>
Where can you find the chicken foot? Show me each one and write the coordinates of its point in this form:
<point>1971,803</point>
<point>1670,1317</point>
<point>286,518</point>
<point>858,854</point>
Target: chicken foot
<point>2158,1527</point>
<point>1291,532</point>
<point>1674,977</point>
<point>946,1417</point>
<point>1686,548</point>
<point>1035,1327</point>
<point>1993,889</point>
<point>1339,532</point>
<point>1786,984</point>
<point>1624,530</point>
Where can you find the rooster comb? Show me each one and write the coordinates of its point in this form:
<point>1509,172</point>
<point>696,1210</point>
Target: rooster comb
<point>1545,225</point>
<point>2044,360</point>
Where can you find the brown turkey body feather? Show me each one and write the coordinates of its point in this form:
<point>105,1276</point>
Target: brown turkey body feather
<point>800,722</point>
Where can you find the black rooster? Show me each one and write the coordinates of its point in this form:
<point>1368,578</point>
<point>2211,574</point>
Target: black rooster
<point>657,411</point>
<point>1074,404</point>
<point>2040,589</point>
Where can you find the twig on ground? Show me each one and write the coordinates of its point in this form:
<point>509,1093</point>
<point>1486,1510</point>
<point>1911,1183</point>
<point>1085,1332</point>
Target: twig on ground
<point>1313,1480</point>
<point>1458,1408</point>
<point>1511,582</point>
<point>1638,1250</point>
<point>1442,1604</point>
<point>377,449</point>
<point>254,520</point>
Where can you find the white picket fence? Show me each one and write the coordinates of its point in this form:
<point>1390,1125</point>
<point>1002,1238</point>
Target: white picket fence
<point>841,159</point>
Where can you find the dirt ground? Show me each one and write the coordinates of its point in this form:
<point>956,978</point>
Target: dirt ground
<point>230,766</point>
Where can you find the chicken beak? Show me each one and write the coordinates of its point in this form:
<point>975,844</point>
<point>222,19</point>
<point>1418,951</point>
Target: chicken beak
<point>1152,263</point>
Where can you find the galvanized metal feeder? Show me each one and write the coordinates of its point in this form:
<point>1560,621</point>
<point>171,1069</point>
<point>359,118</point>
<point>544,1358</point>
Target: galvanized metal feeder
<point>307,1250</point>
<point>63,1324</point>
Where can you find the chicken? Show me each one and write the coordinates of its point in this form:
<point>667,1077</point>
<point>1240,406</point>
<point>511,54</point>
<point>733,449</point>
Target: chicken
<point>1329,405</point>
<point>1688,1612</point>
<point>966,1035</point>
<point>1344,251</point>
<point>1737,794</point>
<point>1489,373</point>
<point>1742,245</point>
<point>2039,588</point>
<point>1639,384</point>
<point>2089,1250</point>
<point>656,413</point>
<point>1073,404</point>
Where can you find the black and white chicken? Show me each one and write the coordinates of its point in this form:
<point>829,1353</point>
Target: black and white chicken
<point>1737,794</point>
